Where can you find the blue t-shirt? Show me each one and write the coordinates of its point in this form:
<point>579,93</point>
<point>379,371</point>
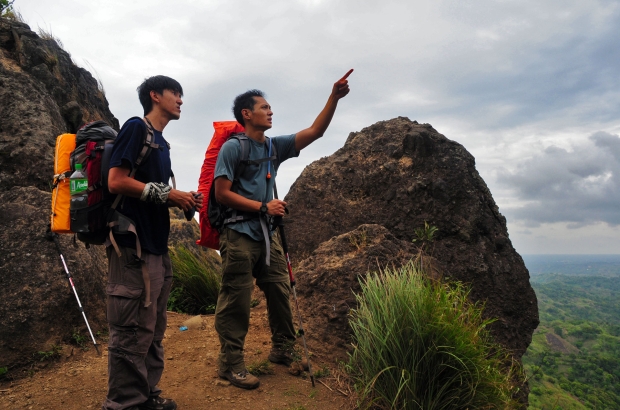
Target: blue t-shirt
<point>152,220</point>
<point>253,184</point>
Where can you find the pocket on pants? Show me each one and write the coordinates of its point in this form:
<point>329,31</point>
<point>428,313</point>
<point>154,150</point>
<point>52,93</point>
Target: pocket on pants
<point>237,261</point>
<point>123,305</point>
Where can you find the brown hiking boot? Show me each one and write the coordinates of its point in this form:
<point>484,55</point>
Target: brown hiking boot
<point>243,379</point>
<point>281,356</point>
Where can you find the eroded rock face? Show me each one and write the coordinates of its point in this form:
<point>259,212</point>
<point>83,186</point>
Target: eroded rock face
<point>42,94</point>
<point>37,305</point>
<point>399,174</point>
<point>329,279</point>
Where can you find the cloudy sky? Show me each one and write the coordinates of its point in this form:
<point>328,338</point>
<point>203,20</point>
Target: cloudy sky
<point>529,87</point>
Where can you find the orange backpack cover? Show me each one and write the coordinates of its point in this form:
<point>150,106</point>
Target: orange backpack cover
<point>209,236</point>
<point>61,196</point>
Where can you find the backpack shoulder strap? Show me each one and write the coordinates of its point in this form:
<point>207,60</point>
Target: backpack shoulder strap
<point>148,145</point>
<point>244,155</point>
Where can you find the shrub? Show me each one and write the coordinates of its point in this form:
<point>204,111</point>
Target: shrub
<point>196,282</point>
<point>421,345</point>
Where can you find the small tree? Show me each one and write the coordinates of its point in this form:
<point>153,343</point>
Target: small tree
<point>6,6</point>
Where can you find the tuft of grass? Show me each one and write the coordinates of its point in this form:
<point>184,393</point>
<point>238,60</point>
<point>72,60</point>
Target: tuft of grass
<point>196,282</point>
<point>420,344</point>
<point>322,372</point>
<point>359,240</point>
<point>52,354</point>
<point>79,339</point>
<point>3,371</point>
<point>262,367</point>
<point>47,34</point>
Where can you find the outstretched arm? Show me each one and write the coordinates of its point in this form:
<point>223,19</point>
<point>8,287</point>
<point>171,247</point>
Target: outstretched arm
<point>317,129</point>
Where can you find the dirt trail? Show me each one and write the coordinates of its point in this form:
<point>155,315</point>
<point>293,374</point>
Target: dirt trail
<point>78,380</point>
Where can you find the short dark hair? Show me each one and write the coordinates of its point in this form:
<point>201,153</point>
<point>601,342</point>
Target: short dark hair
<point>157,83</point>
<point>245,101</point>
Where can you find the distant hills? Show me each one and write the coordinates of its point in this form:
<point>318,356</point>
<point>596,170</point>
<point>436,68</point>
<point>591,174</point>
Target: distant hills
<point>585,265</point>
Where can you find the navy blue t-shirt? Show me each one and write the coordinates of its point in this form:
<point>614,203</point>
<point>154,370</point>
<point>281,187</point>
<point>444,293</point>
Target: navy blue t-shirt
<point>152,220</point>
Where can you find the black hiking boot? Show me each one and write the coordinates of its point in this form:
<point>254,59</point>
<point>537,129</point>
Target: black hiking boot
<point>158,403</point>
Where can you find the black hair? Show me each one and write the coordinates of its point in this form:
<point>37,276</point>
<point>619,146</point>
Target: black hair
<point>245,101</point>
<point>157,83</point>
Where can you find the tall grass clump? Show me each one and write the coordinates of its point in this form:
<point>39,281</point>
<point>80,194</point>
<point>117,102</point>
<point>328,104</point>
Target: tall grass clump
<point>196,282</point>
<point>420,344</point>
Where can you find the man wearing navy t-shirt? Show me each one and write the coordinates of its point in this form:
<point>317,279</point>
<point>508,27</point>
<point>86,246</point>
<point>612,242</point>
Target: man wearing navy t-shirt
<point>139,281</point>
<point>247,249</point>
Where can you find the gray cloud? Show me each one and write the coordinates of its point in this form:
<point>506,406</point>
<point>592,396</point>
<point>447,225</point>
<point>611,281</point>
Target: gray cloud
<point>507,79</point>
<point>580,186</point>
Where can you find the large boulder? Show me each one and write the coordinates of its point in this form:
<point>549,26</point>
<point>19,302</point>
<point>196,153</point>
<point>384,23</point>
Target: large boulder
<point>401,174</point>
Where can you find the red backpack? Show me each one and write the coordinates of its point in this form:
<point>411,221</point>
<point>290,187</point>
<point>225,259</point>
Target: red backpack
<point>210,236</point>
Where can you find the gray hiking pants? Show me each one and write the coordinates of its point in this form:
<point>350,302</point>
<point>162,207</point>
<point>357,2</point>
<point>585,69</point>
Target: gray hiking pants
<point>243,259</point>
<point>135,351</point>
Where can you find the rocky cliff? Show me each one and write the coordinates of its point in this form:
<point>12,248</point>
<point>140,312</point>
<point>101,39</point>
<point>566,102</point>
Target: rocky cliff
<point>44,94</point>
<point>400,174</point>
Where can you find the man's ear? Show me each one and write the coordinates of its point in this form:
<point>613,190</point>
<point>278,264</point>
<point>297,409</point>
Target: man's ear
<point>155,96</point>
<point>245,113</point>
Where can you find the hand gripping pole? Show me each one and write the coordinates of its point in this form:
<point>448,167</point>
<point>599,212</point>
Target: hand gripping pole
<point>54,237</point>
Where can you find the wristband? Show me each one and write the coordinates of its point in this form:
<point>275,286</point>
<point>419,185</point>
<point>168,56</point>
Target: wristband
<point>156,192</point>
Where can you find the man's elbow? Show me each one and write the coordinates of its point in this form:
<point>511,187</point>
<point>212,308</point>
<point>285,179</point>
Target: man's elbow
<point>113,186</point>
<point>220,197</point>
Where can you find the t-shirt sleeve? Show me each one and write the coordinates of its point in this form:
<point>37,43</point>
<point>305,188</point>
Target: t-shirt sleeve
<point>128,144</point>
<point>227,160</point>
<point>285,146</point>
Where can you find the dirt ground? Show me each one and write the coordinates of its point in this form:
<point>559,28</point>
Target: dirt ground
<point>78,379</point>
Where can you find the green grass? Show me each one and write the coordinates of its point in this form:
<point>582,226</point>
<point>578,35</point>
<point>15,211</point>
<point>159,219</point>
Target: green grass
<point>261,367</point>
<point>196,282</point>
<point>52,354</point>
<point>422,345</point>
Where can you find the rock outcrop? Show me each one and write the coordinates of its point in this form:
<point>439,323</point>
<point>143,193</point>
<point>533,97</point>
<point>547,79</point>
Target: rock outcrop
<point>44,94</point>
<point>329,279</point>
<point>401,174</point>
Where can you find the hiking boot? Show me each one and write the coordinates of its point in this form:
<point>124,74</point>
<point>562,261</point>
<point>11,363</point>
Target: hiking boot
<point>243,379</point>
<point>158,403</point>
<point>281,356</point>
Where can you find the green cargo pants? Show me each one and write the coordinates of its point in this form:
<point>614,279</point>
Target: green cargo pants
<point>243,259</point>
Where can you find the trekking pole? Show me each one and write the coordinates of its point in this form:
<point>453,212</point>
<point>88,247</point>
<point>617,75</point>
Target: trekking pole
<point>54,237</point>
<point>280,224</point>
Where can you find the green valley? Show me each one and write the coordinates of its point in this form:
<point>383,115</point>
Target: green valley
<point>574,359</point>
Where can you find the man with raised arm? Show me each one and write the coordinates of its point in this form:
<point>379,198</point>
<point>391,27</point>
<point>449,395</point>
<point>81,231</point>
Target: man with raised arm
<point>246,245</point>
<point>139,280</point>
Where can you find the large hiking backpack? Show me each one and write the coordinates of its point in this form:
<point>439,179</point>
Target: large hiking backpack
<point>213,215</point>
<point>91,147</point>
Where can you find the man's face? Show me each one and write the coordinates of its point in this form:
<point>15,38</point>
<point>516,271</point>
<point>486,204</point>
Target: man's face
<point>260,116</point>
<point>170,103</point>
